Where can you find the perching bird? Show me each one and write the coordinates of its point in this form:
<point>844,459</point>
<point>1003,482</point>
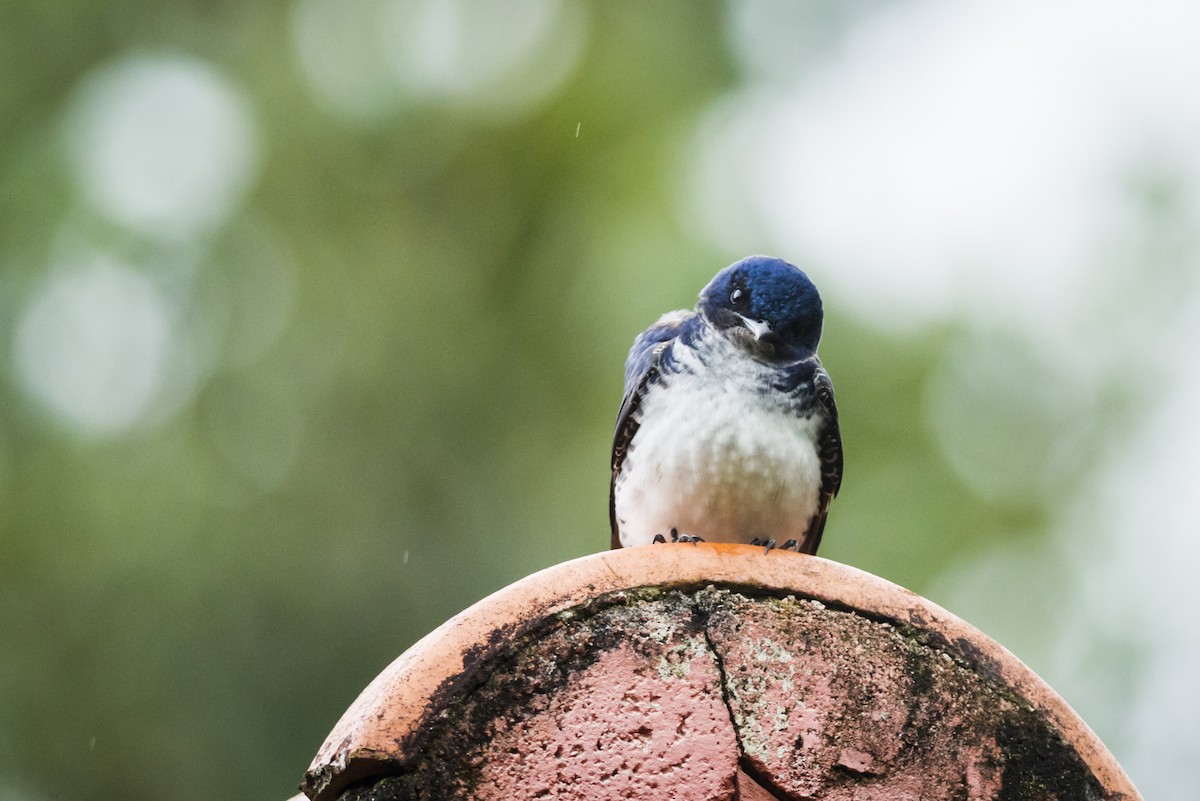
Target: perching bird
<point>728,431</point>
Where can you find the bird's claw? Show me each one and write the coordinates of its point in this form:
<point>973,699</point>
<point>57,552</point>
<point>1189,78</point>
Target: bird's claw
<point>790,545</point>
<point>677,537</point>
<point>767,544</point>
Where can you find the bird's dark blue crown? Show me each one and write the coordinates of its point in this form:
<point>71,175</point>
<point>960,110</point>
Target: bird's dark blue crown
<point>771,291</point>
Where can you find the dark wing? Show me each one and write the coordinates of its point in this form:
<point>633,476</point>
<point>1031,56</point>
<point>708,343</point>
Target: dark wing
<point>641,370</point>
<point>829,448</point>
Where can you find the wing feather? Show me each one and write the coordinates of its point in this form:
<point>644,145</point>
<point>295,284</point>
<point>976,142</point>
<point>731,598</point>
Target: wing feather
<point>829,449</point>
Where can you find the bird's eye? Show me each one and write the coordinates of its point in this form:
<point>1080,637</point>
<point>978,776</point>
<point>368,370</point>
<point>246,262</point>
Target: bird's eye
<point>735,296</point>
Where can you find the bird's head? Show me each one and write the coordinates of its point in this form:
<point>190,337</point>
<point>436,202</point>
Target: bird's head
<point>766,306</point>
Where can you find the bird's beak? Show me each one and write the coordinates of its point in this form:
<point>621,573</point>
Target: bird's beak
<point>759,328</point>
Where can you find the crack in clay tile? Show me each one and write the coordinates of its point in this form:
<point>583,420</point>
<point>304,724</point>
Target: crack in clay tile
<point>747,773</point>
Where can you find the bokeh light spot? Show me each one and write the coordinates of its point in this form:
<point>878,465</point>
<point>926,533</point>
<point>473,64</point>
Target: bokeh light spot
<point>92,345</point>
<point>336,45</point>
<point>449,49</point>
<point>164,145</point>
<point>366,58</point>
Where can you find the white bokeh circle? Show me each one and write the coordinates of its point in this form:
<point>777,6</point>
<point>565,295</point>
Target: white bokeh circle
<point>165,145</point>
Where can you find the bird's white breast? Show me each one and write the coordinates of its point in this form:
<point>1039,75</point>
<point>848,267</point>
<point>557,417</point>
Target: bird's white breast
<point>714,458</point>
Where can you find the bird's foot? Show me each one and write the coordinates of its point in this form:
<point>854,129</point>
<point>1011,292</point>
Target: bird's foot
<point>790,545</point>
<point>767,544</point>
<point>677,537</point>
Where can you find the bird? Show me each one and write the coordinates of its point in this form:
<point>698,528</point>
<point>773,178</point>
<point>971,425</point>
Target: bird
<point>728,430</point>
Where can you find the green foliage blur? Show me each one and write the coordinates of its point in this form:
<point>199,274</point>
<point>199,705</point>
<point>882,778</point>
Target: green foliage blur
<point>404,363</point>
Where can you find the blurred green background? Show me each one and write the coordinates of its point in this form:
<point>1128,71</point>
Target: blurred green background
<point>313,315</point>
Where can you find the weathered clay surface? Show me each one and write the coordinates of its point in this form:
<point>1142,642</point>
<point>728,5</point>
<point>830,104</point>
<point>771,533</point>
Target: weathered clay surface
<point>645,720</point>
<point>625,703</point>
<point>686,672</point>
<point>679,695</point>
<point>829,704</point>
